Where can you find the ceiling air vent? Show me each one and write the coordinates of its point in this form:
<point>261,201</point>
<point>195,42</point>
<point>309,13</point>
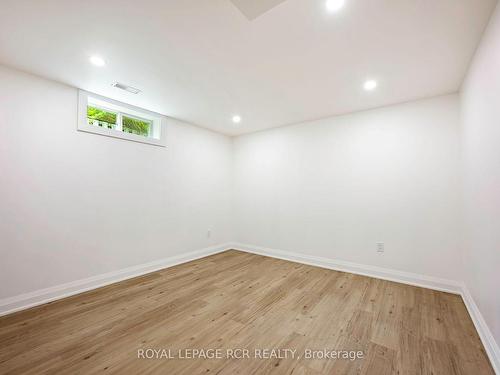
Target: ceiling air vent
<point>131,89</point>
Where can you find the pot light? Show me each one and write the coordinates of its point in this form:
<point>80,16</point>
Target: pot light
<point>334,5</point>
<point>236,119</point>
<point>370,85</point>
<point>97,61</point>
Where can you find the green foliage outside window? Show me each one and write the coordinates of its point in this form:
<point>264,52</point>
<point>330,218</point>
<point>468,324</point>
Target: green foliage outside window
<point>101,115</point>
<point>108,119</point>
<point>135,126</point>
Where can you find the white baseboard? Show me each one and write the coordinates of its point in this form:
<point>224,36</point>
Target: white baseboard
<point>429,282</point>
<point>443,285</point>
<point>490,345</point>
<point>39,297</point>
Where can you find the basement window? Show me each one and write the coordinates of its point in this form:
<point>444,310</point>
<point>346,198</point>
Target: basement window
<point>103,116</point>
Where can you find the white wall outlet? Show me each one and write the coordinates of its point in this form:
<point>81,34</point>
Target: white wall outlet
<point>209,233</point>
<point>380,247</point>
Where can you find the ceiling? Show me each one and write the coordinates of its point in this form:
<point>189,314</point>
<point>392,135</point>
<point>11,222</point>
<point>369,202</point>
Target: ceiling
<point>254,8</point>
<point>205,61</point>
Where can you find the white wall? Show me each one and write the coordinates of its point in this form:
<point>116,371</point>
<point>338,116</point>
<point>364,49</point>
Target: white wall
<point>74,205</point>
<point>480,99</point>
<point>336,187</point>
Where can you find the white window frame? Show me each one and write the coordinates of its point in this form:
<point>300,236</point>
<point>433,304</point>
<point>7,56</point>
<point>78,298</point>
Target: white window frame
<point>157,134</point>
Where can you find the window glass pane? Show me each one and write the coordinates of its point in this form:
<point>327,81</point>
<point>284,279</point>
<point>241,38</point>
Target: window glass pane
<point>100,117</point>
<point>136,126</point>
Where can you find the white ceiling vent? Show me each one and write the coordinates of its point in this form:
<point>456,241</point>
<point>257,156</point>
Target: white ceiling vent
<point>255,8</point>
<point>131,89</point>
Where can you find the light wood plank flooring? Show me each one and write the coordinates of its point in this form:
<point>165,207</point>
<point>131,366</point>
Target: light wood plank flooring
<point>240,300</point>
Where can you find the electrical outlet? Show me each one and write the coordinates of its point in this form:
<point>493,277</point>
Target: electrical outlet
<point>209,233</point>
<point>380,247</point>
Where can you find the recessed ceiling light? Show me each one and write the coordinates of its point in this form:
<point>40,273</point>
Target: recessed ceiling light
<point>370,85</point>
<point>236,119</point>
<point>97,61</point>
<point>334,5</point>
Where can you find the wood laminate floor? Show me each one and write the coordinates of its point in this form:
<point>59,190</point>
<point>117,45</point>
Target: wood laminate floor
<point>238,300</point>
